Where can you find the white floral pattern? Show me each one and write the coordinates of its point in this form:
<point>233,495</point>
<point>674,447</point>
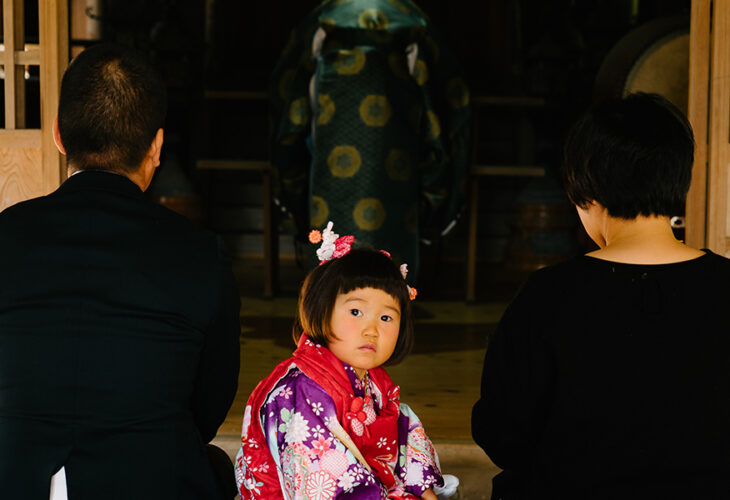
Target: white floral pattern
<point>316,465</point>
<point>297,429</point>
<point>320,486</point>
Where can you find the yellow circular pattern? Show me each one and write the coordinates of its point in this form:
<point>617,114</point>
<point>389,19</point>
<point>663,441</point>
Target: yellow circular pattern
<point>457,93</point>
<point>398,165</point>
<point>344,161</point>
<point>434,126</point>
<point>299,111</point>
<point>369,214</point>
<point>375,110</point>
<point>420,72</point>
<point>325,110</point>
<point>319,211</point>
<point>349,62</point>
<point>373,19</point>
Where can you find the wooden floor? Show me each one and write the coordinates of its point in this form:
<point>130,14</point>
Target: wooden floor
<point>439,380</point>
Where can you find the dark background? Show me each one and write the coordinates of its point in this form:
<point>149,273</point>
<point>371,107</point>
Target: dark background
<point>546,50</point>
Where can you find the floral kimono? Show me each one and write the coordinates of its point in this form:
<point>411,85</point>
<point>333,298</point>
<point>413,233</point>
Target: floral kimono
<point>313,430</point>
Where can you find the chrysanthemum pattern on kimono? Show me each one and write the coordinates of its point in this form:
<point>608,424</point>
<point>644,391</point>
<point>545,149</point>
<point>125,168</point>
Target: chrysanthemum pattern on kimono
<point>315,464</point>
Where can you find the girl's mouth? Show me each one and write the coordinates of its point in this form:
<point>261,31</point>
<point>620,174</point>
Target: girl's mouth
<point>369,347</point>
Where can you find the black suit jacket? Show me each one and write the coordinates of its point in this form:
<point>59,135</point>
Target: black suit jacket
<point>119,350</point>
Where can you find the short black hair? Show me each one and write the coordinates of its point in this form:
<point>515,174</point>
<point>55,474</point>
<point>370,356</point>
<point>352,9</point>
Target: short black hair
<point>632,155</point>
<point>360,268</point>
<point>111,105</point>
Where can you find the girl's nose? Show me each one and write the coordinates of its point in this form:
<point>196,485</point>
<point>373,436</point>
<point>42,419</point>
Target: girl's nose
<point>371,328</point>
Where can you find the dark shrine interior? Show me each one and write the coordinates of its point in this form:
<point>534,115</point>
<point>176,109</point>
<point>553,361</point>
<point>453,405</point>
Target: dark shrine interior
<point>531,67</point>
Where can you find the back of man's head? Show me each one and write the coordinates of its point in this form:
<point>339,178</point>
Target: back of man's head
<point>112,104</point>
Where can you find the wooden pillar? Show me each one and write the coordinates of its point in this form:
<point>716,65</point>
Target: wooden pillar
<point>53,37</point>
<point>697,109</point>
<point>708,223</point>
<point>719,130</point>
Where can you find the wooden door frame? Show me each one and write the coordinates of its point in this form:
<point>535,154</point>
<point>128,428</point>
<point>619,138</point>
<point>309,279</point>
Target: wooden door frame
<point>709,112</point>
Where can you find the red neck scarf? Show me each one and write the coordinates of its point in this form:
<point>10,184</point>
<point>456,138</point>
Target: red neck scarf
<point>355,414</point>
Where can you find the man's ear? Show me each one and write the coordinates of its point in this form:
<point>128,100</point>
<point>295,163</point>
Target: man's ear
<point>156,147</point>
<point>57,137</point>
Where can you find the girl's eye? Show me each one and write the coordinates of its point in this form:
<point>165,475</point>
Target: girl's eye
<point>356,312</point>
<point>386,318</point>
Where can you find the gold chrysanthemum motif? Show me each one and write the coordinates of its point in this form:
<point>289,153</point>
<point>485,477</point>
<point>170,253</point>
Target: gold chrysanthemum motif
<point>344,161</point>
<point>326,109</point>
<point>457,93</point>
<point>369,214</point>
<point>398,165</point>
<point>375,110</point>
<point>373,19</point>
<point>320,212</point>
<point>299,111</point>
<point>349,62</point>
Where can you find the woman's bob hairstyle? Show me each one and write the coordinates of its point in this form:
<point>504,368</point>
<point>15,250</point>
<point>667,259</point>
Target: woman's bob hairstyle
<point>360,268</point>
<point>633,156</point>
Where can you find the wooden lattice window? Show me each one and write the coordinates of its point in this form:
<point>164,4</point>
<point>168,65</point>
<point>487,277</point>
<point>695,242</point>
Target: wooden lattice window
<point>29,162</point>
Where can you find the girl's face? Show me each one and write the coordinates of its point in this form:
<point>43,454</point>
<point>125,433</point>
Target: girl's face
<point>366,322</point>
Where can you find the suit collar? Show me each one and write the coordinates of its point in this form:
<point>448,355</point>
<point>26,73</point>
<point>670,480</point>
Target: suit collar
<point>101,180</point>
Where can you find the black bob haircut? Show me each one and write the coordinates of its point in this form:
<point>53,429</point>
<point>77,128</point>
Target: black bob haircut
<point>111,105</point>
<point>632,155</point>
<point>360,268</point>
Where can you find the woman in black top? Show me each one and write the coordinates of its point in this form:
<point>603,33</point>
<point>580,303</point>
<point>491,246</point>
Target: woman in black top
<point>609,375</point>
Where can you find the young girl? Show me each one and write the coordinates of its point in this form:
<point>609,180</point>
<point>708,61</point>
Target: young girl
<point>327,423</point>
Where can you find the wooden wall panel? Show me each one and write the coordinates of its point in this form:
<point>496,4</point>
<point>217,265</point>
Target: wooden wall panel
<point>21,175</point>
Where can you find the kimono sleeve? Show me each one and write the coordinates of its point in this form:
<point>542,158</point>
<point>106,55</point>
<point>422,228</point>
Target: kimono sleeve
<point>311,461</point>
<point>417,459</point>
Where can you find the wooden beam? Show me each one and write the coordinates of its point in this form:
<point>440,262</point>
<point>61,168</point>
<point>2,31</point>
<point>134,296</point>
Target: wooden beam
<point>28,57</point>
<point>719,129</point>
<point>26,138</point>
<point>53,38</point>
<point>697,113</point>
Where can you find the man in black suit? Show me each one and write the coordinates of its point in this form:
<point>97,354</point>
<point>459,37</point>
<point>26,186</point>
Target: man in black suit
<point>119,319</point>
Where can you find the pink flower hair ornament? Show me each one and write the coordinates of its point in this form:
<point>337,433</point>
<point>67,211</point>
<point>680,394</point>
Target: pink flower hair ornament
<point>335,246</point>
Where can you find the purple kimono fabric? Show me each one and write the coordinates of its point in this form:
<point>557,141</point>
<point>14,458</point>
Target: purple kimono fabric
<point>314,464</point>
